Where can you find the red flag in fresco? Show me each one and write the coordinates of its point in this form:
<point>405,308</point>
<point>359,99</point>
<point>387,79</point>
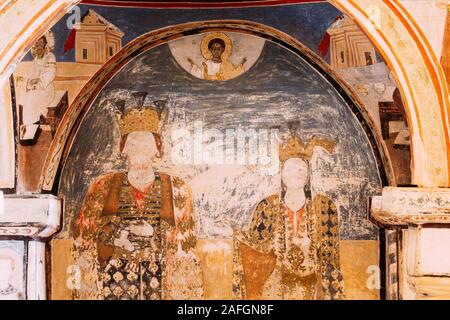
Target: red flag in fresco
<point>70,42</point>
<point>325,43</point>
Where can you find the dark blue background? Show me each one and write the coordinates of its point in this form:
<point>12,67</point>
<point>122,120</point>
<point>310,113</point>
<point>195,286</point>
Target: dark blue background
<point>305,22</point>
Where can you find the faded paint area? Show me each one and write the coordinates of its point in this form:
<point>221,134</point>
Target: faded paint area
<point>280,89</point>
<point>346,176</point>
<point>309,23</point>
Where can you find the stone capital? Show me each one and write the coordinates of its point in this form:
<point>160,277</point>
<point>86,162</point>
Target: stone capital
<point>29,216</point>
<point>423,214</point>
<point>411,206</point>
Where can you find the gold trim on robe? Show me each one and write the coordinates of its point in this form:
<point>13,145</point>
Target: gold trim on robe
<point>271,261</point>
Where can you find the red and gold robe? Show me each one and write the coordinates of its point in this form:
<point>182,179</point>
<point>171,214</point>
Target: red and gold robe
<point>116,263</point>
<point>272,261</point>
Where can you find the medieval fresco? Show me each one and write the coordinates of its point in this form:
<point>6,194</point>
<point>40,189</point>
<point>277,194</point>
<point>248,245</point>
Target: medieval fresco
<point>355,58</point>
<point>71,55</point>
<point>217,165</point>
<point>180,179</point>
<point>40,107</point>
<point>290,250</point>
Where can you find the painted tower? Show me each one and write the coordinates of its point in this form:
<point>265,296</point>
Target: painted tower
<point>97,39</point>
<point>349,46</point>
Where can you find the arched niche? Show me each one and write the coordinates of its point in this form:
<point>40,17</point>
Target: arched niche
<point>86,145</point>
<point>71,121</point>
<point>393,31</point>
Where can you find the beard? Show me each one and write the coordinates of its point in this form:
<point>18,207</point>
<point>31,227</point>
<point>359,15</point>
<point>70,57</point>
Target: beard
<point>140,163</point>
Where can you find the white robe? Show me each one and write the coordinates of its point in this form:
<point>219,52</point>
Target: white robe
<point>40,96</point>
<point>213,69</point>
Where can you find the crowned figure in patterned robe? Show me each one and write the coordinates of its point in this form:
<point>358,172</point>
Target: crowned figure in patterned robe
<point>291,247</point>
<point>135,233</point>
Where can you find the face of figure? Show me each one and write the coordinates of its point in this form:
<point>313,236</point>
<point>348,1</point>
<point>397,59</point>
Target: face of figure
<point>40,47</point>
<point>140,149</point>
<point>295,173</point>
<point>216,48</point>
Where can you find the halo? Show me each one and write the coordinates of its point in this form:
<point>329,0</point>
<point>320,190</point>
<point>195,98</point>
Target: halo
<point>216,35</point>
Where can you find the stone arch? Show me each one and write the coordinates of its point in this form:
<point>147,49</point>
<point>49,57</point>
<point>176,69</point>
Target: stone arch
<point>76,121</point>
<point>386,22</point>
<point>66,132</point>
<point>420,78</point>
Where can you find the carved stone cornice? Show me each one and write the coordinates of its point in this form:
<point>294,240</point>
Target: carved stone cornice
<point>407,206</point>
<point>34,216</point>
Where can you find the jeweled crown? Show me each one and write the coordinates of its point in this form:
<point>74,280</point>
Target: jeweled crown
<point>146,119</point>
<point>295,148</point>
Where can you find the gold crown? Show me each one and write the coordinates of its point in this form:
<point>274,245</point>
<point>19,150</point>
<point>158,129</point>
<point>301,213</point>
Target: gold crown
<point>295,148</point>
<point>146,119</point>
